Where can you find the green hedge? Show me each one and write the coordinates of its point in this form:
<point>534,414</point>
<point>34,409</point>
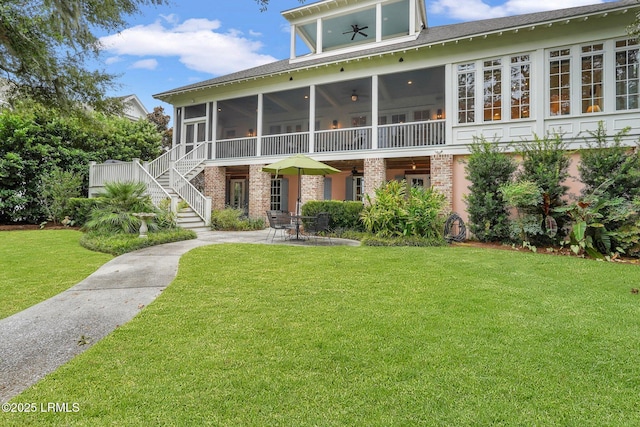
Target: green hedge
<point>343,215</point>
<point>372,240</point>
<point>118,244</point>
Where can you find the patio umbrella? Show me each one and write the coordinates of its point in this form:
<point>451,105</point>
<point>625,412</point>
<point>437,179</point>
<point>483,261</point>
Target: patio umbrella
<point>299,165</point>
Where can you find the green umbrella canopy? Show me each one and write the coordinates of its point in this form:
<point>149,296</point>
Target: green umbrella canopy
<point>299,165</point>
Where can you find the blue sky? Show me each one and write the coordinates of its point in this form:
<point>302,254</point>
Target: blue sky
<point>193,40</point>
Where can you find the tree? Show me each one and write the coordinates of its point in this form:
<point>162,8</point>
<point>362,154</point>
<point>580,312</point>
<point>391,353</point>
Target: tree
<point>34,141</point>
<point>45,45</point>
<point>161,121</point>
<point>265,3</point>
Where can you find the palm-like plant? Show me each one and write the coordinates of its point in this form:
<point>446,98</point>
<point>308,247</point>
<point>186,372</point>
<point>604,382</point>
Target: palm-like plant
<point>116,206</point>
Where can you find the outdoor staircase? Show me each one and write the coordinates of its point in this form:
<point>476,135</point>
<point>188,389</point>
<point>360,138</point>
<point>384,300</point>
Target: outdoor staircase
<point>186,217</point>
<point>167,177</point>
<point>173,174</point>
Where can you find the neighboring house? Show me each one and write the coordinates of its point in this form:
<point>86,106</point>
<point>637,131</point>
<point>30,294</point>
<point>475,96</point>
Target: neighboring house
<point>370,89</point>
<point>133,108</point>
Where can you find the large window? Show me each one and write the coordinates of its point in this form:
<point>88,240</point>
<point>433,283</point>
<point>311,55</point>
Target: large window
<point>592,78</point>
<point>559,82</point>
<point>466,93</point>
<point>520,90</point>
<point>492,90</point>
<point>627,75</point>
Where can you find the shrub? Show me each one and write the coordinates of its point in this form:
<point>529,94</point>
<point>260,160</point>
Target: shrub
<point>525,197</point>
<point>79,209</point>
<point>611,173</point>
<point>545,161</point>
<point>372,240</point>
<point>116,206</point>
<point>232,219</point>
<point>342,215</point>
<point>396,213</point>
<point>56,189</point>
<point>487,168</point>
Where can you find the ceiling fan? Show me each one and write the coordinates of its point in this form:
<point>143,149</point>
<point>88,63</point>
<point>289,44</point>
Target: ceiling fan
<point>355,29</point>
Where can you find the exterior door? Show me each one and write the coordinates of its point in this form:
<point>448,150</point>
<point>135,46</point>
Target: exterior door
<point>195,133</point>
<point>237,193</point>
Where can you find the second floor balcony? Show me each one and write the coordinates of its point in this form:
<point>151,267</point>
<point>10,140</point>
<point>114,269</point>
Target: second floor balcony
<point>395,136</point>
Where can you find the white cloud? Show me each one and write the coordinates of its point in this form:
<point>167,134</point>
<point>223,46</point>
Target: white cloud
<point>147,64</point>
<point>113,60</point>
<point>469,10</point>
<point>195,42</point>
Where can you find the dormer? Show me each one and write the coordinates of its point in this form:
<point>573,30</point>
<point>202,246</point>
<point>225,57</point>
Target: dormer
<point>332,27</point>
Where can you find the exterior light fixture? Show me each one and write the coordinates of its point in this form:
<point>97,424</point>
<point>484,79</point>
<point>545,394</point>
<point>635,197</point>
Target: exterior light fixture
<point>354,96</point>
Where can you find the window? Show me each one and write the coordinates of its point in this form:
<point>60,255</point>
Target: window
<point>520,91</point>
<point>592,66</point>
<point>492,79</point>
<point>421,116</point>
<point>358,188</point>
<point>466,93</point>
<point>626,75</point>
<point>559,82</point>
<point>398,118</point>
<point>193,111</point>
<point>276,195</point>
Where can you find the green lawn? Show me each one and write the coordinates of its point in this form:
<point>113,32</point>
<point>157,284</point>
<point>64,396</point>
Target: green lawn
<point>255,335</point>
<point>38,264</point>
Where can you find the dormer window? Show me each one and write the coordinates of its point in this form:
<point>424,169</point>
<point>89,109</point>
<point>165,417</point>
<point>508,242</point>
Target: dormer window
<point>337,26</point>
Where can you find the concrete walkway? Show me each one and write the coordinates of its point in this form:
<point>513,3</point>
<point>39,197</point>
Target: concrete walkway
<point>38,340</point>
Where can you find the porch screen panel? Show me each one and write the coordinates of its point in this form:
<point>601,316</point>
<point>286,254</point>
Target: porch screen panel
<point>520,87</point>
<point>627,75</point>
<point>592,76</point>
<point>492,77</point>
<point>560,82</point>
<point>466,93</point>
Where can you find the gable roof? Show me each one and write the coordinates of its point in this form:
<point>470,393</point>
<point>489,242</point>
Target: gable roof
<point>428,36</point>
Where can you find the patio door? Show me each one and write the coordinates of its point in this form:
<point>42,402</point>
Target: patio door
<point>238,193</point>
<point>194,134</point>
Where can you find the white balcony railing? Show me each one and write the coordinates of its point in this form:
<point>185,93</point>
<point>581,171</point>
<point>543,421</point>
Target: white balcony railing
<point>416,134</point>
<point>288,143</point>
<point>234,148</point>
<point>343,140</point>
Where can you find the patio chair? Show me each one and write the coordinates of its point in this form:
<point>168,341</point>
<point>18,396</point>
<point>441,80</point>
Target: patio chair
<point>318,226</point>
<point>279,221</point>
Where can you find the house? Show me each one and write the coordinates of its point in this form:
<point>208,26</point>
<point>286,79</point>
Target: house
<point>134,109</point>
<point>369,88</point>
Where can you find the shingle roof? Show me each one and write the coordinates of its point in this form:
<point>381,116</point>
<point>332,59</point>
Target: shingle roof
<point>428,36</point>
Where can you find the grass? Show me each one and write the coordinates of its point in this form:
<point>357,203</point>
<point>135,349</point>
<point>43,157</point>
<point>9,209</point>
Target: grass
<point>257,335</point>
<point>38,264</point>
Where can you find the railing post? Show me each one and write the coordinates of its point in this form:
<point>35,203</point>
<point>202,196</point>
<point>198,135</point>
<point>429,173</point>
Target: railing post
<point>207,210</point>
<point>92,170</point>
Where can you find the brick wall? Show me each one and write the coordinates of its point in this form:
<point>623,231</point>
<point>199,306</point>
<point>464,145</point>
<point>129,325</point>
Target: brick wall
<point>375,174</point>
<point>312,188</point>
<point>442,175</point>
<point>259,191</point>
<point>215,185</point>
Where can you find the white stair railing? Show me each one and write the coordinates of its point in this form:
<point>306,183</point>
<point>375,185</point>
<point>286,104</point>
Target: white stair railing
<point>162,164</point>
<point>190,194</point>
<point>192,159</point>
<point>155,190</point>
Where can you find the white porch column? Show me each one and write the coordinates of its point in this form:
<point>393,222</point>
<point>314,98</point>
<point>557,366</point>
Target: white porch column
<point>259,126</point>
<point>374,112</point>
<point>312,118</point>
<point>214,129</point>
